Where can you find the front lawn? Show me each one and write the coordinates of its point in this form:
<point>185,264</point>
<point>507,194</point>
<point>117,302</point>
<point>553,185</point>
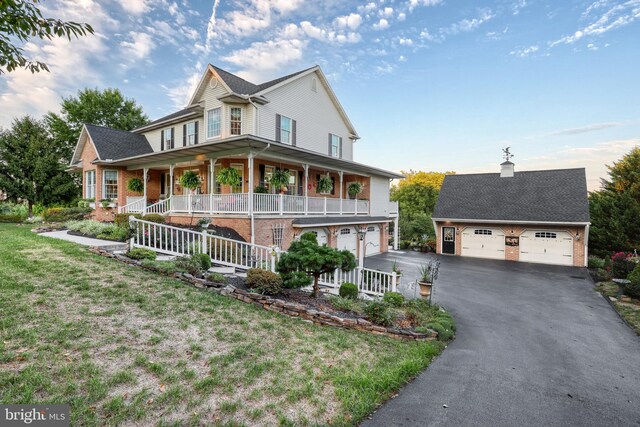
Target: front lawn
<point>628,308</point>
<point>126,346</point>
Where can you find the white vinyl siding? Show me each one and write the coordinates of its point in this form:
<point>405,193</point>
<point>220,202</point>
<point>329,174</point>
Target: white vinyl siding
<point>214,120</point>
<point>378,196</point>
<point>110,184</point>
<point>90,184</point>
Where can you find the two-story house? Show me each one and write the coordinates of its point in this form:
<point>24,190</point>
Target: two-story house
<point>293,123</point>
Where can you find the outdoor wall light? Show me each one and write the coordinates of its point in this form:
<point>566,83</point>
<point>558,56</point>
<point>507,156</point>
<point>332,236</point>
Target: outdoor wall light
<point>361,233</point>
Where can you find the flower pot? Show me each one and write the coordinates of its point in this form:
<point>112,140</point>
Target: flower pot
<point>425,289</point>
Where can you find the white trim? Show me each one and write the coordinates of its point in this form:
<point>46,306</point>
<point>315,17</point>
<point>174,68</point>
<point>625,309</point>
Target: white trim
<point>206,121</point>
<point>498,221</point>
<point>231,107</point>
<point>153,126</point>
<point>104,171</point>
<point>341,224</point>
<point>290,143</point>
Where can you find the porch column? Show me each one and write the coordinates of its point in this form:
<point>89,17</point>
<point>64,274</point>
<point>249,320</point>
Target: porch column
<point>171,166</point>
<point>341,179</point>
<point>396,233</point>
<point>145,174</point>
<point>212,184</point>
<point>306,189</point>
<point>250,192</point>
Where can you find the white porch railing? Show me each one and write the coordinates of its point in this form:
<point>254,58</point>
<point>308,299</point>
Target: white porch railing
<point>179,241</point>
<point>162,207</point>
<point>134,204</point>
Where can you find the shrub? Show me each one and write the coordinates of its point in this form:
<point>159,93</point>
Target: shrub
<point>621,265</point>
<point>11,218</point>
<point>264,281</point>
<point>164,267</point>
<point>379,313</point>
<point>600,275</point>
<point>595,262</point>
<point>217,278</point>
<point>348,290</point>
<point>88,227</point>
<point>394,299</point>
<point>296,279</point>
<point>65,214</point>
<point>141,253</point>
<point>10,208</point>
<point>444,334</point>
<point>135,185</point>
<point>122,219</point>
<point>205,261</point>
<point>190,264</point>
<point>113,232</point>
<point>633,288</point>
<point>157,218</point>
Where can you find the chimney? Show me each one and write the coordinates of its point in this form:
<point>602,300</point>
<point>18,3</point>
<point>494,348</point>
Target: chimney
<point>506,169</point>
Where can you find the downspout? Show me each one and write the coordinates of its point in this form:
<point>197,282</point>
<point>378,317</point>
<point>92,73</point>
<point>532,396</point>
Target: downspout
<point>586,245</point>
<point>251,214</point>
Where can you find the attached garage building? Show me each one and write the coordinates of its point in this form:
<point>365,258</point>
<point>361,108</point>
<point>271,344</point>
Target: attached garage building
<point>531,216</point>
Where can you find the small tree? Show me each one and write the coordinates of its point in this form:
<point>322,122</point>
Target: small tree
<point>306,256</point>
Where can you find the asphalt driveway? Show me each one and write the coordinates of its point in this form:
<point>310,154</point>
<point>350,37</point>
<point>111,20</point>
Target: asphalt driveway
<point>535,346</point>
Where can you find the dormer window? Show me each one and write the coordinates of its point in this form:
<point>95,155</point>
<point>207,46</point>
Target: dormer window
<point>167,139</point>
<point>285,130</point>
<point>236,121</point>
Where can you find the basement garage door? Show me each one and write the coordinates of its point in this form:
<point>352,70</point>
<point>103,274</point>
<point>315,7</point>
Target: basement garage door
<point>372,240</point>
<point>483,243</point>
<point>546,247</point>
<point>347,239</point>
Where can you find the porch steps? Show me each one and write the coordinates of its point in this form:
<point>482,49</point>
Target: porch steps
<point>222,269</point>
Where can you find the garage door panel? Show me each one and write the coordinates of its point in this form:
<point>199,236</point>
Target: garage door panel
<point>483,243</point>
<point>372,240</point>
<point>546,247</point>
<point>347,239</point>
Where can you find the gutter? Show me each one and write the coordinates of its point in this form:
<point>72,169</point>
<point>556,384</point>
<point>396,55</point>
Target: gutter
<point>500,221</point>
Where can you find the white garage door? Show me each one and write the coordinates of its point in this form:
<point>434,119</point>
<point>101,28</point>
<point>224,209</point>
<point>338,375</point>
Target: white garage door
<point>546,247</point>
<point>321,235</point>
<point>372,240</point>
<point>483,243</point>
<point>348,239</point>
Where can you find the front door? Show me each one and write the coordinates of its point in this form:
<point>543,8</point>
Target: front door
<point>449,240</point>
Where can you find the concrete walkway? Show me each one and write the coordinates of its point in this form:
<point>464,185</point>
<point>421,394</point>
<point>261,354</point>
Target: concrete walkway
<point>81,240</point>
<point>536,346</point>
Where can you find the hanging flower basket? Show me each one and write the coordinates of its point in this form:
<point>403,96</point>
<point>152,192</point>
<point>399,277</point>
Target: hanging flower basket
<point>354,189</point>
<point>190,180</point>
<point>229,176</point>
<point>325,186</point>
<point>135,185</point>
<point>280,179</point>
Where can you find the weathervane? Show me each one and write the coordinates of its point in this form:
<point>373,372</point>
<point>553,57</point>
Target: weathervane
<point>507,155</point>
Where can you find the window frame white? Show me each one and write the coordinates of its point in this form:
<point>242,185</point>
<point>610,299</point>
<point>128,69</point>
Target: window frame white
<point>483,232</point>
<point>169,143</point>
<point>104,184</point>
<point>219,123</point>
<point>191,137</point>
<point>232,121</point>
<point>289,131</point>
<point>335,139</point>
<point>90,184</point>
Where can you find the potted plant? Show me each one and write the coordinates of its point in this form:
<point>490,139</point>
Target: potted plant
<point>190,180</point>
<point>229,176</point>
<point>324,185</point>
<point>428,274</point>
<point>354,189</point>
<point>260,189</point>
<point>280,179</point>
<point>135,185</point>
<point>396,269</point>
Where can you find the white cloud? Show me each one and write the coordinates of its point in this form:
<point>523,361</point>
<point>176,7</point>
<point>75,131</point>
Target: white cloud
<point>387,12</point>
<point>405,41</point>
<point>467,25</point>
<point>584,129</point>
<point>415,3</point>
<point>382,24</point>
<point>182,92</point>
<point>524,52</point>
<point>518,6</point>
<point>351,21</point>
<point>263,60</point>
<point>135,7</point>
<point>325,35</point>
<point>425,35</point>
<point>368,8</point>
<point>140,46</point>
<point>284,6</point>
<point>592,47</point>
<point>402,16</point>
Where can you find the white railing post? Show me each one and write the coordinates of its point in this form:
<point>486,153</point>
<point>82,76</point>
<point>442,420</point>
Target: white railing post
<point>355,201</point>
<point>394,281</point>
<point>306,205</point>
<point>336,278</point>
<point>359,277</point>
<point>203,247</point>
<point>281,201</point>
<point>273,260</point>
<point>325,206</point>
<point>189,206</point>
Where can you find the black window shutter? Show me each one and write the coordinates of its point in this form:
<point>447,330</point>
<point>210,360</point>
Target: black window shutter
<point>340,154</point>
<point>278,138</point>
<point>300,183</point>
<point>293,133</point>
<point>195,138</point>
<point>173,138</point>
<point>330,151</point>
<point>261,168</point>
<point>333,186</point>
<point>184,135</point>
<point>162,140</point>
<point>162,186</point>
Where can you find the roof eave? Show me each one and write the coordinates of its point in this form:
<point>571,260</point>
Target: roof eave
<point>508,221</point>
<point>163,123</point>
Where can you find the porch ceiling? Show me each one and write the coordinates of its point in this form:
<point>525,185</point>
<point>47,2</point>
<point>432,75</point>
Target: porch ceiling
<point>263,148</point>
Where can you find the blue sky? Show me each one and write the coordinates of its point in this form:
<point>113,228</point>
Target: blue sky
<point>429,84</point>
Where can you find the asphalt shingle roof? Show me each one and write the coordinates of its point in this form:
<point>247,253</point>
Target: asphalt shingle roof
<point>117,144</point>
<point>182,112</point>
<point>243,87</point>
<point>546,196</point>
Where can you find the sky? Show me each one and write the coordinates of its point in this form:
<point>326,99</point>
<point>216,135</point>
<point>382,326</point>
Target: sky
<point>437,85</point>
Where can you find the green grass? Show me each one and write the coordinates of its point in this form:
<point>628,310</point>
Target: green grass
<point>630,311</point>
<point>123,345</point>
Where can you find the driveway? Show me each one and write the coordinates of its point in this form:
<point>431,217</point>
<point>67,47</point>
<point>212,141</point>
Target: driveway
<point>535,346</point>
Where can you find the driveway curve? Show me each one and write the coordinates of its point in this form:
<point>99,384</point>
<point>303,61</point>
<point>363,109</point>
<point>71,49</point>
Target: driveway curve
<point>535,346</point>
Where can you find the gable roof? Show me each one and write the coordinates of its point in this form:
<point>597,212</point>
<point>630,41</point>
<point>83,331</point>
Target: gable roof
<point>530,196</point>
<point>185,112</point>
<point>113,144</point>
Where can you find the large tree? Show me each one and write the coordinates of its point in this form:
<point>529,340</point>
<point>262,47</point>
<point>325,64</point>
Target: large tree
<point>32,166</point>
<point>20,21</point>
<point>416,202</point>
<point>423,178</point>
<point>103,108</point>
<point>615,209</point>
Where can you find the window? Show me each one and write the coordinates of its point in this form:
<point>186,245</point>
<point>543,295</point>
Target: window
<point>545,235</point>
<point>285,130</point>
<point>167,141</point>
<point>213,123</point>
<point>90,185</point>
<point>191,133</point>
<point>483,232</point>
<point>335,145</point>
<point>371,228</point>
<point>236,121</point>
<point>345,231</point>
<point>110,184</point>
<point>292,188</point>
<point>166,184</point>
<point>268,173</point>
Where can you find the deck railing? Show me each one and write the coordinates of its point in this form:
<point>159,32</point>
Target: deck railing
<point>134,205</point>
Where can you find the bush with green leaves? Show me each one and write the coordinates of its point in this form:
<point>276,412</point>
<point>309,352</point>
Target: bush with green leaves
<point>394,299</point>
<point>190,180</point>
<point>157,218</point>
<point>348,290</point>
<point>217,278</point>
<point>264,281</point>
<point>379,312</point>
<point>141,253</point>
<point>135,185</point>
<point>600,275</point>
<point>89,227</point>
<point>296,280</point>
<point>190,264</point>
<point>163,267</point>
<point>347,304</point>
<point>595,262</point>
<point>11,218</point>
<point>64,214</point>
<point>205,261</point>
<point>122,219</point>
<point>633,289</point>
<point>113,232</point>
